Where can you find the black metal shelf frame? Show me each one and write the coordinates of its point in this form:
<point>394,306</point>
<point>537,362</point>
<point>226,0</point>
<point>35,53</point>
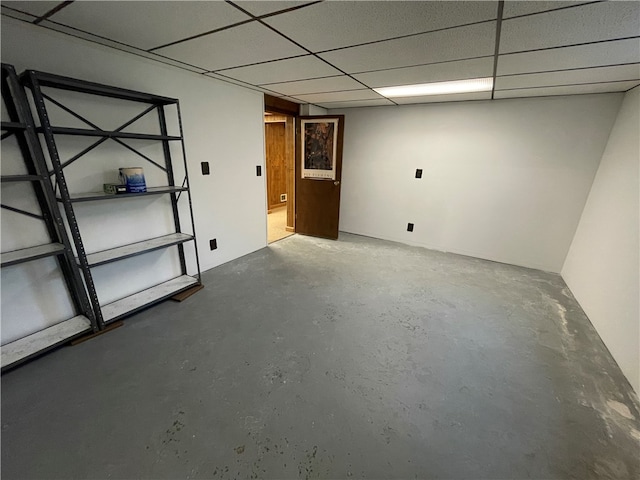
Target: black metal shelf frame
<point>34,81</point>
<point>21,125</point>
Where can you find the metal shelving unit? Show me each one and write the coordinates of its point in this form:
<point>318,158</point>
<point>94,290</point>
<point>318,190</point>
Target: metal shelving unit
<point>21,125</point>
<point>106,313</point>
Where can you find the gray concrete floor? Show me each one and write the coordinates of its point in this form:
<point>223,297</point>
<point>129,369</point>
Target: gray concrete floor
<point>317,359</point>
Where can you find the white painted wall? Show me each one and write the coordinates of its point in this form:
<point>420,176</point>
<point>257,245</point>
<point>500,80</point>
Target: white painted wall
<point>603,264</point>
<point>504,180</point>
<point>222,125</point>
<point>308,109</point>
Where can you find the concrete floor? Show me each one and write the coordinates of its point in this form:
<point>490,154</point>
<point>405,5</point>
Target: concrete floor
<point>317,359</point>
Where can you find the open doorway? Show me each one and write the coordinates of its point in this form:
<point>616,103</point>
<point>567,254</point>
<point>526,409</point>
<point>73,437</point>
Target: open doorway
<point>279,132</point>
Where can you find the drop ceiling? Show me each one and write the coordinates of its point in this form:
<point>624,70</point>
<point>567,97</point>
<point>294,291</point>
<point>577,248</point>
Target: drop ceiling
<point>333,53</point>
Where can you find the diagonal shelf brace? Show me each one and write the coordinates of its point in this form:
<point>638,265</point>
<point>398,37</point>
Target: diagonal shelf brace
<point>22,212</point>
<point>102,140</point>
<point>68,110</point>
<point>139,154</point>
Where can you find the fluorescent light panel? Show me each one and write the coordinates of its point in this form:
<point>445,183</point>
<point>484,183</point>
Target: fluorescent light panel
<point>438,88</point>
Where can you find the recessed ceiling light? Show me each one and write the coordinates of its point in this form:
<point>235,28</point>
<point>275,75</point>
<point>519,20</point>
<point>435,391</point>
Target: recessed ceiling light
<point>438,88</point>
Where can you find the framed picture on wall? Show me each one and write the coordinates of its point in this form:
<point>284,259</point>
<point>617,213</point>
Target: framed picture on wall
<point>319,142</point>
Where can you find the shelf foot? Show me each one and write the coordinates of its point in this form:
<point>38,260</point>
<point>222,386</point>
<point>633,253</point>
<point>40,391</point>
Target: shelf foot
<point>108,328</point>
<point>179,297</point>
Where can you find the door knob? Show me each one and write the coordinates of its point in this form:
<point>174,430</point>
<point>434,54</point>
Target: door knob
<point>337,182</point>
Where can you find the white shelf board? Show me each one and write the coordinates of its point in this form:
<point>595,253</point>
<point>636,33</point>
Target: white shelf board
<point>138,300</point>
<point>36,342</point>
<point>132,249</point>
<point>31,253</point>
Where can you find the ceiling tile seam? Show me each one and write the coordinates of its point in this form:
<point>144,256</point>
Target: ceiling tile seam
<point>301,46</point>
<point>260,63</point>
<point>568,69</point>
<point>154,57</point>
<point>117,42</point>
<point>554,9</point>
<point>409,35</point>
<point>567,85</point>
<point>53,11</point>
<point>123,50</point>
<point>335,106</point>
<point>251,85</point>
<point>151,56</point>
<point>290,9</point>
<point>329,91</point>
<point>15,10</point>
<point>443,102</point>
<point>571,45</point>
<point>303,80</point>
<point>193,37</point>
<point>423,64</point>
<point>551,95</point>
<point>227,27</point>
<point>497,46</point>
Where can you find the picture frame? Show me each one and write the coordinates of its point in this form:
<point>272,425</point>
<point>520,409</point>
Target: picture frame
<point>319,141</point>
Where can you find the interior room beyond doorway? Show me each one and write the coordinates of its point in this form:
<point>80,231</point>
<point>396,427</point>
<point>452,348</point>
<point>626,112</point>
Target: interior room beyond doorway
<point>279,134</point>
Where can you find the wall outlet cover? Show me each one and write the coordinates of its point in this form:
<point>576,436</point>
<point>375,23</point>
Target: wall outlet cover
<point>410,227</point>
<point>418,173</point>
<point>283,197</point>
<point>213,244</point>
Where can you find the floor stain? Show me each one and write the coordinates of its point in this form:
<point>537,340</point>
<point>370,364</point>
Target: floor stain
<point>621,408</point>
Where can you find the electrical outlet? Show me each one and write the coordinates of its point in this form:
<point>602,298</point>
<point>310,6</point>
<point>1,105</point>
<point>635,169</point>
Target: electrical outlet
<point>258,170</point>
<point>213,244</point>
<point>418,173</point>
<point>283,197</point>
<point>205,168</point>
<point>410,227</point>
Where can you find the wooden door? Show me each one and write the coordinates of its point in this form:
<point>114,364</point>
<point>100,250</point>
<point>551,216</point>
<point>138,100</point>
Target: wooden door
<point>318,174</point>
<point>274,134</point>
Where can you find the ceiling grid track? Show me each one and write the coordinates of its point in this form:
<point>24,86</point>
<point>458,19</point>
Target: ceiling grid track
<point>547,49</point>
<point>306,49</point>
<point>53,11</point>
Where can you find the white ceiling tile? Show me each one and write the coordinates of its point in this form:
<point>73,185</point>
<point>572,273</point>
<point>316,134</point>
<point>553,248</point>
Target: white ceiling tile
<point>588,23</point>
<point>346,96</point>
<point>266,7</point>
<point>327,84</point>
<point>359,103</point>
<point>237,46</point>
<point>34,8</point>
<point>595,55</point>
<point>438,72</point>
<point>341,24</point>
<point>300,68</point>
<point>452,44</point>
<point>567,90</point>
<point>145,24</point>
<point>568,77</point>
<point>454,97</point>
<point>119,46</point>
<point>526,7</point>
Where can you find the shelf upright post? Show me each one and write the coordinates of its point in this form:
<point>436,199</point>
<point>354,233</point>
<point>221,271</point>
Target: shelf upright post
<point>186,176</point>
<point>166,149</point>
<point>17,107</point>
<point>31,81</point>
